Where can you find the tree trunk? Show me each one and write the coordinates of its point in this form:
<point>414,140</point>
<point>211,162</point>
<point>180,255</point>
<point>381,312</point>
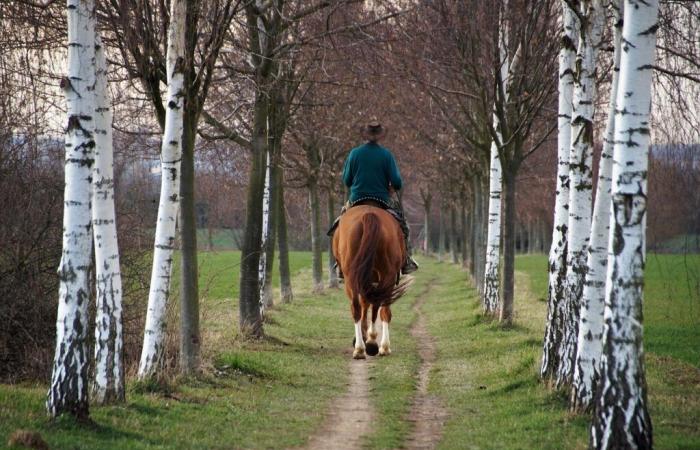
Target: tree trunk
<point>171,156</point>
<point>316,239</point>
<point>621,419</point>
<point>427,200</point>
<point>441,234</point>
<point>250,320</point>
<point>108,385</point>
<point>190,338</point>
<point>580,174</point>
<point>493,240</point>
<point>480,224</point>
<point>465,234</point>
<point>590,333</point>
<point>558,250</point>
<point>332,275</point>
<point>285,275</point>
<point>454,235</point>
<point>265,236</point>
<point>69,379</point>
<point>506,312</point>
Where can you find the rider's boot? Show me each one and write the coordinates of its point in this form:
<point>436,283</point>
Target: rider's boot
<point>410,265</point>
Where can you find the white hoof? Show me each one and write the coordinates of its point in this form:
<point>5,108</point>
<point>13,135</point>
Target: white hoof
<point>359,353</point>
<point>384,351</point>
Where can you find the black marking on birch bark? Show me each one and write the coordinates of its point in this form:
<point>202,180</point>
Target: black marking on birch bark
<point>66,273</point>
<point>651,30</point>
<point>74,124</point>
<point>567,43</point>
<point>567,72</point>
<point>173,172</point>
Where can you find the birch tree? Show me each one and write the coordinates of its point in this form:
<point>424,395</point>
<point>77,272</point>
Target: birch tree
<point>621,419</point>
<point>262,264</point>
<point>491,298</point>
<point>108,385</point>
<point>557,254</point>
<point>581,183</point>
<point>170,158</point>
<point>590,332</point>
<point>137,26</point>
<point>68,391</point>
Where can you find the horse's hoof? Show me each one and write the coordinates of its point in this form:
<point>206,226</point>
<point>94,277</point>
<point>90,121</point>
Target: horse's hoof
<point>384,351</point>
<point>371,348</point>
<point>358,354</point>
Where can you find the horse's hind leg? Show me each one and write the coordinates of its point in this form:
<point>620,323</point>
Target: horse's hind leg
<point>372,333</point>
<point>385,315</point>
<point>371,344</point>
<point>357,316</point>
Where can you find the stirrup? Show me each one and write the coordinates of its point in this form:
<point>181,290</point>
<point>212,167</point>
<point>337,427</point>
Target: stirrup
<point>410,266</point>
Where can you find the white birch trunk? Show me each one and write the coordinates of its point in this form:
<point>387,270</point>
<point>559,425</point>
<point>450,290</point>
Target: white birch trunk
<point>558,249</point>
<point>581,179</point>
<point>491,299</point>
<point>493,239</point>
<point>171,156</point>
<point>621,419</point>
<point>262,264</point>
<point>69,379</point>
<point>108,385</point>
<point>590,332</point>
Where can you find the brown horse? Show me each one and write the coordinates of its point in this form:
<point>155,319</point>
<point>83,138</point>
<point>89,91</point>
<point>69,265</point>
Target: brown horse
<point>370,250</point>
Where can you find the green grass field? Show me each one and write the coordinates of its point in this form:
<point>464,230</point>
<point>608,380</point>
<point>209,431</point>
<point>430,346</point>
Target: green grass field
<point>671,302</point>
<point>273,394</point>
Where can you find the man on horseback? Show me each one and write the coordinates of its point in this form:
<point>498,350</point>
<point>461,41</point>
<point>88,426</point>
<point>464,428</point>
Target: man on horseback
<point>371,173</point>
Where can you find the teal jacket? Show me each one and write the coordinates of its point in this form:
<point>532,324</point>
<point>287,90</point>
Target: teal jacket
<point>369,170</point>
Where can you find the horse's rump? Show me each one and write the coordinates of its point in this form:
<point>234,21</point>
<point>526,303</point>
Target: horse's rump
<point>372,255</point>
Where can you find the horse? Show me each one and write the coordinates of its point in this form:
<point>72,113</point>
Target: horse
<point>370,250</point>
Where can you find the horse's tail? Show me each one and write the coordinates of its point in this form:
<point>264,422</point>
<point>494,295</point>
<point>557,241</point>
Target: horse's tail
<point>384,291</point>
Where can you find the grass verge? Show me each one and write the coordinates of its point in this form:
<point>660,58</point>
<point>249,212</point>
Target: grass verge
<point>488,375</point>
<point>267,394</point>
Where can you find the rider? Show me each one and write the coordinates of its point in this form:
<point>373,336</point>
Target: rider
<point>371,173</point>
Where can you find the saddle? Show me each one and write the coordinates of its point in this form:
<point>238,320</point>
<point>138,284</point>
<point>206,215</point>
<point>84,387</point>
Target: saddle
<point>368,201</point>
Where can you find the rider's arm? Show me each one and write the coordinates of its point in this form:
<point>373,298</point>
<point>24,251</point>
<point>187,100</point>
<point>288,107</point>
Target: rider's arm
<point>394,175</point>
<point>348,174</point>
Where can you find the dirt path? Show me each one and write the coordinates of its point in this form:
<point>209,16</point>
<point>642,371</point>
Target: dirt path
<point>350,416</point>
<point>428,414</point>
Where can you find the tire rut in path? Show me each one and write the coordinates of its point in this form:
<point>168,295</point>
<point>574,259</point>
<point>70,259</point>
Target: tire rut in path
<point>351,415</point>
<point>428,414</point>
